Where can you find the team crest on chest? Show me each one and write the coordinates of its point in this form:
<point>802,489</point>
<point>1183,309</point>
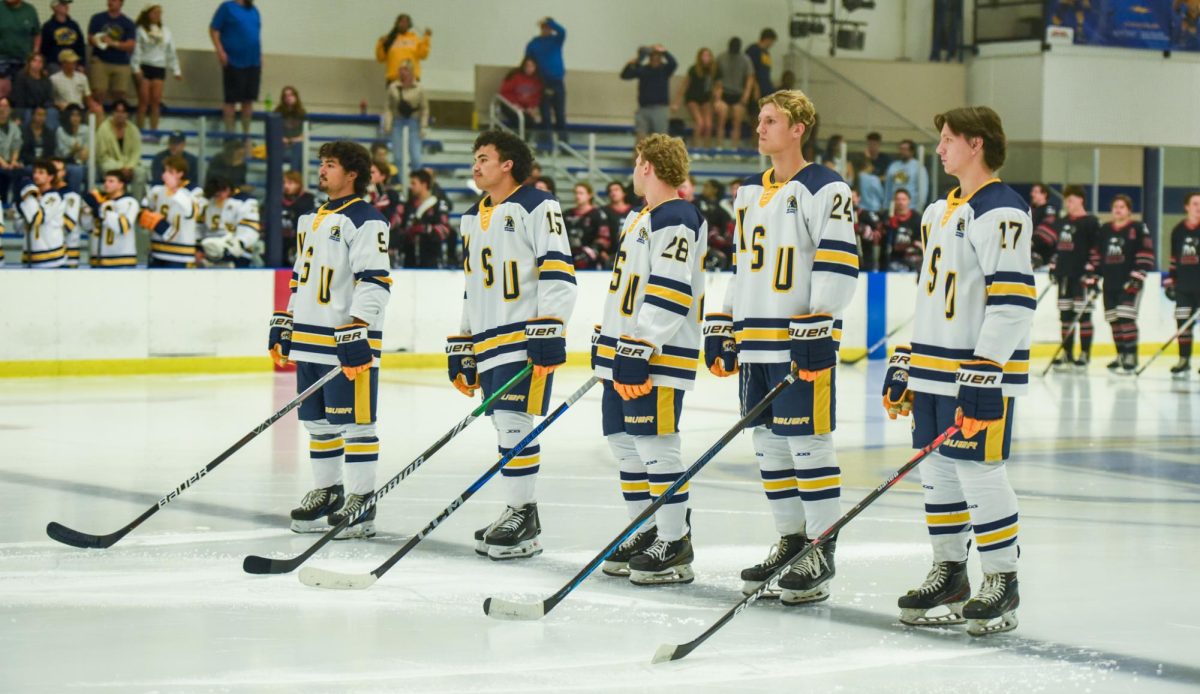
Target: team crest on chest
<point>509,224</point>
<point>643,235</point>
<point>960,229</point>
<point>335,234</point>
<point>791,204</point>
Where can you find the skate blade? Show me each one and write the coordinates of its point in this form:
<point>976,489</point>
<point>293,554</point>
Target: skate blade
<point>987,627</point>
<point>321,578</point>
<point>514,611</point>
<point>362,531</point>
<point>675,574</point>
<point>616,569</point>
<point>481,548</point>
<point>312,526</point>
<point>748,588</point>
<point>525,550</point>
<point>917,617</point>
<point>792,598</point>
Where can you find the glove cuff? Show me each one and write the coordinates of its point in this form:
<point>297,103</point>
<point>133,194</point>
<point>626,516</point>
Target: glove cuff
<point>631,348</point>
<point>980,373</point>
<point>900,358</point>
<point>595,334</point>
<point>816,326</point>
<point>281,319</point>
<point>543,328</point>
<point>718,324</point>
<point>350,333</point>
<point>460,345</point>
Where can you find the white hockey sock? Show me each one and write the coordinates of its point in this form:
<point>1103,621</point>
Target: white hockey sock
<point>779,481</point>
<point>362,457</point>
<point>946,513</point>
<point>325,451</point>
<point>818,479</point>
<point>663,468</point>
<point>993,514</point>
<point>520,474</point>
<point>635,485</point>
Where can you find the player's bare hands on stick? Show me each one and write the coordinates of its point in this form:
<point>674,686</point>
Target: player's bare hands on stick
<point>720,348</point>
<point>460,354</point>
<point>631,368</point>
<point>279,342</point>
<point>353,348</point>
<point>813,349</point>
<point>546,345</point>
<point>897,398</point>
<point>980,398</point>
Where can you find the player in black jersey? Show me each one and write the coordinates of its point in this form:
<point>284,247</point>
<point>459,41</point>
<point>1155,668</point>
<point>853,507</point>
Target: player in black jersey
<point>905,247</point>
<point>1075,236</point>
<point>1123,254</point>
<point>1040,208</point>
<point>1182,283</point>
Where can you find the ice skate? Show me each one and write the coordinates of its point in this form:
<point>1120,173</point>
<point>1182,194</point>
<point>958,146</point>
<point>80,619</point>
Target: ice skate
<point>309,516</point>
<point>946,585</point>
<point>1181,368</point>
<point>514,535</point>
<point>808,581</point>
<point>359,528</point>
<point>617,563</point>
<point>781,553</point>
<point>993,610</point>
<point>665,561</point>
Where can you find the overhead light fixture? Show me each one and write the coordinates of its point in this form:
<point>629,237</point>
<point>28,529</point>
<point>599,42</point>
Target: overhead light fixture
<point>852,5</point>
<point>850,38</point>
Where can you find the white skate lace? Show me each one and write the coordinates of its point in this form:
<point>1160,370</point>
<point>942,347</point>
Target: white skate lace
<point>632,542</point>
<point>811,564</point>
<point>933,582</point>
<point>511,520</point>
<point>354,504</point>
<point>993,588</point>
<point>658,550</point>
<point>313,500</point>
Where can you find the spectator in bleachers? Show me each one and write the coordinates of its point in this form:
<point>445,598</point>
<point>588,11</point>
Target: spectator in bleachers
<point>119,146</point>
<point>787,80</point>
<point>402,45</point>
<point>71,145</point>
<point>618,205</point>
<point>522,87</point>
<point>546,185</point>
<point>588,231</point>
<point>230,163</point>
<point>112,36</point>
<point>408,109</point>
<point>69,86</point>
<point>728,200</point>
<point>292,112</point>
<point>546,50</point>
<point>176,147</point>
<point>733,91</point>
<point>296,202</point>
<point>388,202</point>
<point>879,160</point>
<point>37,138</point>
<point>832,156</point>
<point>443,199</point>
<point>31,88</point>
<point>760,58</point>
<point>61,33</point>
<point>870,187</point>
<point>652,67</point>
<point>19,36</point>
<point>904,249</point>
<point>720,226</point>
<point>426,226</point>
<point>153,56</point>
<point>10,151</point>
<point>697,92</point>
<point>868,228</point>
<point>236,32</point>
<point>381,153</point>
<point>907,172</point>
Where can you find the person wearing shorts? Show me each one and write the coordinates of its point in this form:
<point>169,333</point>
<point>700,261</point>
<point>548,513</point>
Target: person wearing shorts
<point>236,32</point>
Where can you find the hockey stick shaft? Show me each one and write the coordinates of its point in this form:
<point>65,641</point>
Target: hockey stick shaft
<point>66,535</point>
<point>262,565</point>
<point>880,342</point>
<point>1062,344</point>
<point>1182,329</point>
<point>669,652</point>
<point>550,602</point>
<point>483,479</point>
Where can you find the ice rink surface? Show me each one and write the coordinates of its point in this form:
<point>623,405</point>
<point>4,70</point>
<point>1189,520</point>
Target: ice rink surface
<point>1108,474</point>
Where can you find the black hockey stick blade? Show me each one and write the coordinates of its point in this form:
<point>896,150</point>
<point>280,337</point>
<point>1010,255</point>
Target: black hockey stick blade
<point>75,538</point>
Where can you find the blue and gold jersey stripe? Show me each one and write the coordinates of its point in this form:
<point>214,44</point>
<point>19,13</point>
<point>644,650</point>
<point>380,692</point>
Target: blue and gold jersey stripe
<point>933,363</point>
<point>556,266</point>
<point>499,340</point>
<point>1011,288</point>
<point>379,278</point>
<point>668,294</point>
<point>318,339</point>
<point>770,334</point>
<point>836,256</point>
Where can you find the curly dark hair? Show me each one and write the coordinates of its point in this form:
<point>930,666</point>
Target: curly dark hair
<point>510,148</point>
<point>354,158</point>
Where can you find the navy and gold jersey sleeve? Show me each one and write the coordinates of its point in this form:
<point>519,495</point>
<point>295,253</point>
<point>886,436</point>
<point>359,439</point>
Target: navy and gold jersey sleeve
<point>1001,238</point>
<point>556,288</point>
<point>835,265</point>
<point>677,246</point>
<point>367,241</point>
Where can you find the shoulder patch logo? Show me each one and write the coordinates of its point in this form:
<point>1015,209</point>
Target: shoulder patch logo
<point>509,224</point>
<point>791,204</point>
<point>335,234</point>
<point>961,229</point>
<point>643,235</point>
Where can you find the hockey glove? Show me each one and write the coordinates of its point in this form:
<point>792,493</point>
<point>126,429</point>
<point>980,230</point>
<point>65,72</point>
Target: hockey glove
<point>279,341</point>
<point>897,398</point>
<point>1169,288</point>
<point>813,349</point>
<point>1133,285</point>
<point>353,349</point>
<point>546,344</point>
<point>720,348</point>
<point>980,398</point>
<point>595,344</point>
<point>460,353</point>
<point>631,368</point>
<point>1090,278</point>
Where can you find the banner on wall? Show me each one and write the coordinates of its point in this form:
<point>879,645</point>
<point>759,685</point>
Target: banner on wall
<point>1162,25</point>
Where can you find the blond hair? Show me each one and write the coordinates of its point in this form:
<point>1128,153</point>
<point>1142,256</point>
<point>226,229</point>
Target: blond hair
<point>796,104</point>
<point>668,156</point>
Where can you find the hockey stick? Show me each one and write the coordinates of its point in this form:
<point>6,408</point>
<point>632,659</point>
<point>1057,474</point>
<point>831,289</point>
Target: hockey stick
<point>505,609</point>
<point>1062,344</point>
<point>254,564</point>
<point>321,578</point>
<point>668,651</point>
<point>880,342</point>
<point>1182,329</point>
<point>75,538</point>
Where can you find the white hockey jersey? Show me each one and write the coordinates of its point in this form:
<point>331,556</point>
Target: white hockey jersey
<point>178,243</point>
<point>42,214</point>
<point>114,242</point>
<point>657,291</point>
<point>341,271</point>
<point>795,254</point>
<point>518,266</point>
<point>72,224</point>
<point>976,296</point>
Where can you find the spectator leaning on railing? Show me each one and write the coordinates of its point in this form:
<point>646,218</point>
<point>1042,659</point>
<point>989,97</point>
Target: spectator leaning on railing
<point>112,36</point>
<point>291,109</point>
<point>119,147</point>
<point>408,108</point>
<point>522,87</point>
<point>652,67</point>
<point>153,56</point>
<point>402,45</point>
<point>236,32</point>
<point>61,33</point>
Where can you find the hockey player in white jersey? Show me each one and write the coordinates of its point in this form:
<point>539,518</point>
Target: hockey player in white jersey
<point>72,211</point>
<point>796,266</point>
<point>968,359</point>
<point>170,215</point>
<point>520,291</point>
<point>646,355</point>
<point>41,210</point>
<point>340,288</point>
<point>115,212</point>
<point>234,232</point>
